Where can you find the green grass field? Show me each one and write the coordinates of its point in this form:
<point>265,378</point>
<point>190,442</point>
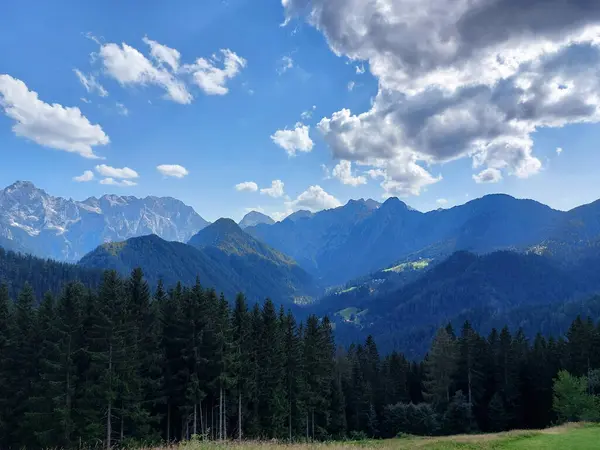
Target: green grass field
<point>566,437</point>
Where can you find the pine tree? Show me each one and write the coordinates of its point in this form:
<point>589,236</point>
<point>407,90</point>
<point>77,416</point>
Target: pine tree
<point>5,340</point>
<point>272,401</point>
<point>293,383</point>
<point>23,367</point>
<point>440,367</point>
<point>240,335</point>
<point>41,417</point>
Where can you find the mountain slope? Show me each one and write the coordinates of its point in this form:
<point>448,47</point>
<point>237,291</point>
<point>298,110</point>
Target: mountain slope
<point>305,236</point>
<point>350,241</point>
<point>277,275</point>
<point>66,229</point>
<point>42,275</point>
<point>160,259</point>
<point>221,255</point>
<point>254,218</point>
<point>466,286</point>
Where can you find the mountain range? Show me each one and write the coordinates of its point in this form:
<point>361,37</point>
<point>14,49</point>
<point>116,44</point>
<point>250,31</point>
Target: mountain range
<point>375,268</point>
<point>64,229</point>
<point>362,237</point>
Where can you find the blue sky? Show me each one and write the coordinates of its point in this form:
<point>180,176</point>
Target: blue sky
<point>223,129</point>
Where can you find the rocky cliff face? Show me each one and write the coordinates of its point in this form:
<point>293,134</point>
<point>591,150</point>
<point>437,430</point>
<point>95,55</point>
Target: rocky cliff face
<point>66,229</point>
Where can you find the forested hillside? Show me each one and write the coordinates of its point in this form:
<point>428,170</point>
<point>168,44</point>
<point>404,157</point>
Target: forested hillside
<point>221,255</point>
<point>42,275</point>
<point>488,290</point>
<point>117,365</point>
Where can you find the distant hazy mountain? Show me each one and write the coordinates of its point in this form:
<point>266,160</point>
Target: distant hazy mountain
<point>254,218</point>
<point>66,229</point>
<point>308,237</point>
<point>359,238</point>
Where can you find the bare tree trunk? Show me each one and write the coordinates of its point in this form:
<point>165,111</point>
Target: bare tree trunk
<point>201,420</point>
<point>220,413</point>
<point>122,427</point>
<point>109,409</point>
<point>290,420</point>
<point>225,415</point>
<point>240,415</point>
<point>195,418</point>
<point>313,424</point>
<point>168,422</point>
<point>306,426</point>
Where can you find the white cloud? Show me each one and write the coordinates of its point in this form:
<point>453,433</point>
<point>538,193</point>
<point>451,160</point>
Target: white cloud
<point>172,170</point>
<point>88,175</point>
<point>296,140</point>
<point>113,172</point>
<point>343,172</point>
<point>212,79</point>
<point>351,86</point>
<point>130,67</point>
<point>286,63</point>
<point>559,150</point>
<point>308,114</point>
<point>247,186</point>
<point>85,100</point>
<point>90,83</point>
<point>122,109</point>
<point>163,54</point>
<point>488,176</point>
<point>313,199</point>
<point>326,172</point>
<point>122,183</point>
<point>276,189</point>
<point>442,201</point>
<point>460,79</point>
<point>360,69</point>
<point>54,126</point>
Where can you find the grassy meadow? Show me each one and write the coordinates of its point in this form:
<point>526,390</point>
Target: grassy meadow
<point>565,437</point>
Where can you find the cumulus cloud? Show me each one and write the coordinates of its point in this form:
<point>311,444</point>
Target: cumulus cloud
<point>286,63</point>
<point>460,79</point>
<point>90,83</point>
<point>247,186</point>
<point>129,66</point>
<point>559,150</point>
<point>276,189</point>
<point>50,125</point>
<point>86,176</point>
<point>314,199</point>
<point>172,170</point>
<point>296,140</point>
<point>360,69</point>
<point>488,176</point>
<point>113,172</point>
<point>163,68</point>
<point>343,172</point>
<point>212,79</point>
<point>122,183</point>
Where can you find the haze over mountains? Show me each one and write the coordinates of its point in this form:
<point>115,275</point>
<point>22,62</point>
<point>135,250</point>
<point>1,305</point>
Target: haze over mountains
<point>366,264</point>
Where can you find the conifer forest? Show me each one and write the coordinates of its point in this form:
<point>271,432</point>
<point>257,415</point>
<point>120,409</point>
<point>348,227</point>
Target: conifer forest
<point>131,363</point>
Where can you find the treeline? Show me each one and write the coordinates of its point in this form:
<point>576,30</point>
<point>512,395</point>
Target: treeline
<point>121,364</point>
